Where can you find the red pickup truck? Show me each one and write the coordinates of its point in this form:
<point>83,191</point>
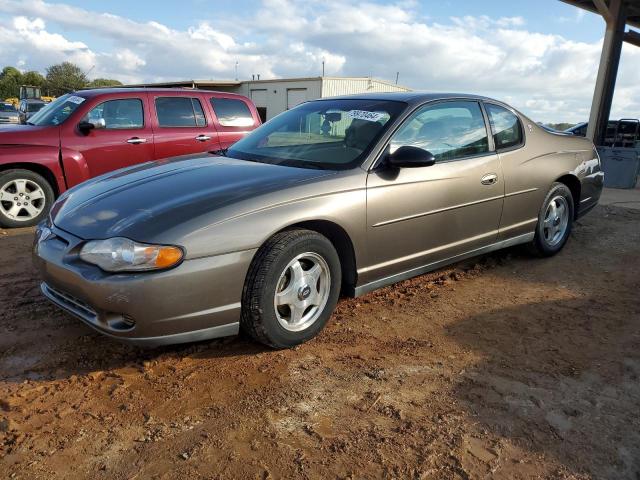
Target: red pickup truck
<point>91,132</point>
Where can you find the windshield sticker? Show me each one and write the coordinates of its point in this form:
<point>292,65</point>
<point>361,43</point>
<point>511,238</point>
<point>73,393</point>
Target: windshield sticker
<point>75,99</point>
<point>365,115</point>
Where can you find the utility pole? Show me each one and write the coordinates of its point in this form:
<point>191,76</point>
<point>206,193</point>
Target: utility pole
<point>397,75</point>
<point>236,71</point>
<point>323,66</point>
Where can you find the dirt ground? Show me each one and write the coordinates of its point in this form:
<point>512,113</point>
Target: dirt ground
<point>502,367</point>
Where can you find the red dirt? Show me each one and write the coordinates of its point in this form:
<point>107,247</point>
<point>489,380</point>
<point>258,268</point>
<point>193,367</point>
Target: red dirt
<point>502,367</point>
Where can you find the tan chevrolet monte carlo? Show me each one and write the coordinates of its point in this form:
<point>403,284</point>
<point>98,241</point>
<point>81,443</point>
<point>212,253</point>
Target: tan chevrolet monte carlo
<point>338,195</point>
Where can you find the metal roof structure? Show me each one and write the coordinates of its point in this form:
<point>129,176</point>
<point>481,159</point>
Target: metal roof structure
<point>617,14</point>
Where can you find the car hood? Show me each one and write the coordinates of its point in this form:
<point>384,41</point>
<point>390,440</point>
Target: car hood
<point>29,135</point>
<point>144,202</point>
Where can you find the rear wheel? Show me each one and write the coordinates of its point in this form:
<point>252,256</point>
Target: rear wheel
<point>291,289</point>
<point>25,198</point>
<point>554,221</point>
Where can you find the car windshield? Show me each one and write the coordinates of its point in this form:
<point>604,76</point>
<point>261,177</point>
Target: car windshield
<point>57,111</point>
<point>7,107</point>
<point>323,134</point>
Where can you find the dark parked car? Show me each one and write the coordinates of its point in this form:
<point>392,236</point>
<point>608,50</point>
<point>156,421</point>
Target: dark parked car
<point>8,113</point>
<point>620,133</point>
<point>28,107</point>
<point>88,133</point>
<point>268,235</point>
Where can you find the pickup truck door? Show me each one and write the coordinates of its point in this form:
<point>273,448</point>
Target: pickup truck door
<point>181,125</point>
<point>123,137</point>
<point>234,117</point>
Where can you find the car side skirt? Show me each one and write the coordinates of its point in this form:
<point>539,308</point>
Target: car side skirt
<point>399,277</point>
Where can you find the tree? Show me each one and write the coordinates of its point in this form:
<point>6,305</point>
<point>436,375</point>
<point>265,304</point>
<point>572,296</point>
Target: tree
<point>65,77</point>
<point>10,81</point>
<point>33,78</point>
<point>104,82</point>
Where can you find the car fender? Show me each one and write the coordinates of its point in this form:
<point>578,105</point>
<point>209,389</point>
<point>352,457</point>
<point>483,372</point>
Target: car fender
<point>35,158</point>
<point>75,166</point>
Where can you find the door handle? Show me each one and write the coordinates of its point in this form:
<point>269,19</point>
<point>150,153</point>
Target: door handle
<point>489,179</point>
<point>203,138</point>
<point>136,140</point>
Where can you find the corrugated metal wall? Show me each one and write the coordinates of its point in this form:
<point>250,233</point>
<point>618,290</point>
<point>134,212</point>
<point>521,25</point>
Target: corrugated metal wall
<point>332,87</point>
<point>275,95</point>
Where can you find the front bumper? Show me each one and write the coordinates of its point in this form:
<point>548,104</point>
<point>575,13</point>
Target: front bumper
<point>198,300</point>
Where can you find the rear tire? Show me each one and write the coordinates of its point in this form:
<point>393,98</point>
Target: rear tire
<point>291,289</point>
<point>25,198</point>
<point>555,220</point>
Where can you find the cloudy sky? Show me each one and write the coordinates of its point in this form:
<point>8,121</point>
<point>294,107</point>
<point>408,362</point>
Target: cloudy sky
<point>540,55</point>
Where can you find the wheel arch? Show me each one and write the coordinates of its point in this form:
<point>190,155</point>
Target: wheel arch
<point>573,183</point>
<point>41,170</point>
<point>341,241</point>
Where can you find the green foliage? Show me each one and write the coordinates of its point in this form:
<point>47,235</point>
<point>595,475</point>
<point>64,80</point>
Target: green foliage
<point>34,79</point>
<point>104,82</point>
<point>60,79</point>
<point>65,77</point>
<point>10,81</point>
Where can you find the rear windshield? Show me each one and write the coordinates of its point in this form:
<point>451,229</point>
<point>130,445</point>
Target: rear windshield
<point>57,111</point>
<point>324,134</point>
<point>35,107</point>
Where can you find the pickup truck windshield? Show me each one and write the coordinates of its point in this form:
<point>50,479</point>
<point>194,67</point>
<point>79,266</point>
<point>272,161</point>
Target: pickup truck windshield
<point>57,111</point>
<point>324,134</point>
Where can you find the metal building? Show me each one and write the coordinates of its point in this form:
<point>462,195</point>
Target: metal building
<point>272,97</point>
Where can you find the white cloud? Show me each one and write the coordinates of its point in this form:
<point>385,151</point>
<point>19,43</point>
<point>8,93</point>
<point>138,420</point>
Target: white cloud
<point>547,76</point>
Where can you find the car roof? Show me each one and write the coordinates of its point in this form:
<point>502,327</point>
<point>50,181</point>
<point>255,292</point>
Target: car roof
<point>411,97</point>
<point>93,92</point>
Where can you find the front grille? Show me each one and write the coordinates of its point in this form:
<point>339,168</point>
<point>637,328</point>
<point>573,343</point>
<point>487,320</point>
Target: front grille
<point>70,302</point>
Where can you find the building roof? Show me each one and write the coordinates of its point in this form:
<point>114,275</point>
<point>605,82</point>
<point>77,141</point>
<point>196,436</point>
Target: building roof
<point>235,83</point>
<point>632,6</point>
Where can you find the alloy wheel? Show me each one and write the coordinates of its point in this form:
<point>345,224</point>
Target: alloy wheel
<point>302,291</point>
<point>556,220</point>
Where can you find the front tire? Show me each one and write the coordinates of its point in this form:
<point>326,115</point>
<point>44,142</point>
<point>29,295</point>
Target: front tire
<point>25,198</point>
<point>554,221</point>
<point>291,289</point>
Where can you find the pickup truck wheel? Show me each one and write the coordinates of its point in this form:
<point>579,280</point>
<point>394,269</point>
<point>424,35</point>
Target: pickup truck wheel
<point>291,289</point>
<point>25,198</point>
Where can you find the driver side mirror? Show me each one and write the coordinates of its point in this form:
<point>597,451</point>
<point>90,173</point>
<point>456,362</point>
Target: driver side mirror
<point>411,157</point>
<point>86,127</point>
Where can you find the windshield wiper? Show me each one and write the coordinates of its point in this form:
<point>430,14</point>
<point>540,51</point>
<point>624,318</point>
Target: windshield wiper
<point>30,123</point>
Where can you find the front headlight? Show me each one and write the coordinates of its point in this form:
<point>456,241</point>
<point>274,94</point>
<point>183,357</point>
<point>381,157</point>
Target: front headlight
<point>123,255</point>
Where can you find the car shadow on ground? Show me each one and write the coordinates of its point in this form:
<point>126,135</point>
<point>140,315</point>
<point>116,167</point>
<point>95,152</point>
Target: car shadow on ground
<point>560,378</point>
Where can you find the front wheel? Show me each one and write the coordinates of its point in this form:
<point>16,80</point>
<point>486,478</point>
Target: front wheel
<point>25,198</point>
<point>554,221</point>
<point>291,289</point>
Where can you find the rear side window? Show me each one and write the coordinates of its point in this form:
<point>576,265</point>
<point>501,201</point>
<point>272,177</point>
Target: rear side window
<point>118,114</point>
<point>232,113</point>
<point>506,127</point>
<point>180,112</point>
